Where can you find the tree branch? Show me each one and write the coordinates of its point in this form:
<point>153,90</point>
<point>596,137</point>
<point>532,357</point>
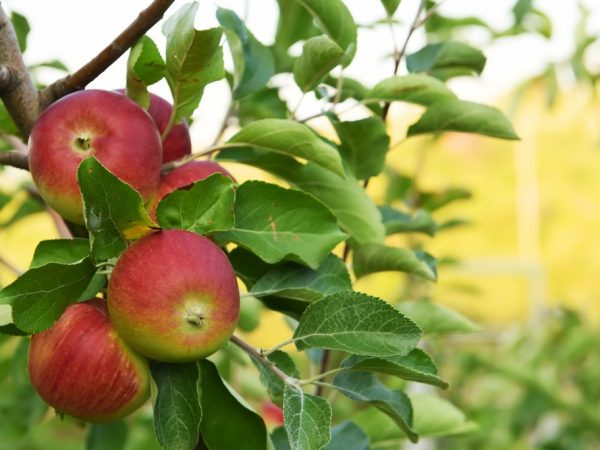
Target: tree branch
<point>262,360</point>
<point>16,88</point>
<point>15,159</point>
<point>90,71</point>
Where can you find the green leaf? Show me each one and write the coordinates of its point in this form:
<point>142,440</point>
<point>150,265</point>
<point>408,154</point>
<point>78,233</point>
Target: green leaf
<point>307,419</point>
<point>226,422</point>
<point>107,436</point>
<point>319,56</point>
<point>280,439</point>
<point>6,122</point>
<point>416,366</point>
<point>193,59</point>
<point>253,61</point>
<point>27,205</point>
<point>295,24</point>
<point>277,224</point>
<point>467,117</point>
<point>114,211</point>
<point>400,222</point>
<point>356,323</point>
<point>413,88</point>
<point>206,207</point>
<point>52,64</point>
<point>390,6</point>
<point>22,29</point>
<point>446,60</point>
<point>374,258</point>
<point>275,385</point>
<point>60,251</point>
<point>434,318</point>
<point>334,19</point>
<point>347,435</point>
<point>177,410</point>
<point>365,387</point>
<point>264,104</point>
<point>434,416</point>
<point>248,267</point>
<point>364,144</point>
<point>145,66</point>
<point>40,295</point>
<point>433,201</point>
<point>290,138</point>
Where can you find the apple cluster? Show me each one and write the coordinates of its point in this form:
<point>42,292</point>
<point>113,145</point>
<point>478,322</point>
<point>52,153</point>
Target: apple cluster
<point>172,295</point>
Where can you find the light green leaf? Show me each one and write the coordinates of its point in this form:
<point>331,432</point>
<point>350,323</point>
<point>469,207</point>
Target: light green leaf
<point>177,410</point>
<point>434,318</point>
<point>145,66</point>
<point>347,435</point>
<point>52,64</point>
<point>432,201</point>
<point>40,295</point>
<point>114,211</point>
<point>364,144</point>
<point>193,59</point>
<point>467,117</point>
<point>6,122</point>
<point>413,88</point>
<point>206,207</point>
<point>226,422</point>
<point>272,382</point>
<point>365,387</point>
<point>60,251</point>
<point>319,56</point>
<point>277,224</point>
<point>264,104</point>
<point>446,60</point>
<point>307,419</point>
<point>107,436</point>
<point>416,366</point>
<point>253,61</point>
<point>400,222</point>
<point>374,258</point>
<point>390,6</point>
<point>436,417</point>
<point>290,138</point>
<point>334,19</point>
<point>356,323</point>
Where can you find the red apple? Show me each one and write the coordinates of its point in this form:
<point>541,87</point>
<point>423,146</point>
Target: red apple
<point>183,176</point>
<point>173,296</point>
<point>107,125</point>
<point>177,143</point>
<point>83,369</point>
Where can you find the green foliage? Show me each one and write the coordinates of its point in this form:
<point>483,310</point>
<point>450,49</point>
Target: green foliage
<point>436,319</point>
<point>60,251</point>
<point>446,60</point>
<point>319,56</point>
<point>22,29</point>
<point>145,66</point>
<point>110,436</point>
<point>374,258</point>
<point>413,88</point>
<point>307,419</point>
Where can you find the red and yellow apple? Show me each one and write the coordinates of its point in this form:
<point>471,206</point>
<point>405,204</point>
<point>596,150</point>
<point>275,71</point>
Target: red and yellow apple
<point>83,369</point>
<point>173,296</point>
<point>103,124</point>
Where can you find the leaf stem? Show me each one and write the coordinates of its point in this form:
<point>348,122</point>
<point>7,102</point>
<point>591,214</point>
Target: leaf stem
<point>321,376</point>
<point>278,347</point>
<point>207,151</point>
<point>169,126</point>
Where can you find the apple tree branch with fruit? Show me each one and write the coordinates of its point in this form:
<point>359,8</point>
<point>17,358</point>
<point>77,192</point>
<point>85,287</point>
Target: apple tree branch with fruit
<point>141,294</point>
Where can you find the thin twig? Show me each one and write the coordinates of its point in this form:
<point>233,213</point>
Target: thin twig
<point>15,159</point>
<point>321,376</point>
<point>207,151</point>
<point>262,360</point>
<point>278,347</point>
<point>90,71</point>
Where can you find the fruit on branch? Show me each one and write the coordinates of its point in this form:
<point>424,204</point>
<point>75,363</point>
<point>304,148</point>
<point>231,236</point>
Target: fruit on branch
<point>173,296</point>
<point>177,143</point>
<point>107,125</point>
<point>83,369</point>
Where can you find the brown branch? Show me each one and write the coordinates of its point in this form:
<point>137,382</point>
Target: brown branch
<point>90,71</point>
<point>15,159</point>
<point>262,360</point>
<point>16,88</point>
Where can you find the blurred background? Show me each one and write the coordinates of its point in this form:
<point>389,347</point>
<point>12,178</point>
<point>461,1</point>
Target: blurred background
<point>515,223</point>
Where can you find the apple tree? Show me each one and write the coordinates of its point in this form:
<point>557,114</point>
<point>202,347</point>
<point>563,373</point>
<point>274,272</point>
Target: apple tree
<point>143,284</point>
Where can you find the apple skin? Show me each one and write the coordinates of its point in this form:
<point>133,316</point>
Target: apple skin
<point>83,369</point>
<point>103,124</point>
<point>173,296</point>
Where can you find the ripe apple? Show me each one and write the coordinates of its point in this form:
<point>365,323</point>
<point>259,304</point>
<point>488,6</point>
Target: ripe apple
<point>173,296</point>
<point>83,369</point>
<point>107,125</point>
<point>177,143</point>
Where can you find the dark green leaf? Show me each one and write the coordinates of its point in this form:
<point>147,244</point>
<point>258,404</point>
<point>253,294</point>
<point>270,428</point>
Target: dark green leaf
<point>467,117</point>
<point>108,436</point>
<point>253,62</point>
<point>193,59</point>
<point>248,267</point>
<point>290,138</point>
<point>356,323</point>
<point>264,104</point>
<point>307,419</point>
<point>365,387</point>
<point>434,318</point>
<point>413,88</point>
<point>177,410</point>
<point>206,207</point>
<point>374,258</point>
<point>60,251</point>
<point>400,222</point>
<point>446,60</point>
<point>114,211</point>
<point>348,436</point>
<point>364,144</point>
<point>390,6</point>
<point>277,224</point>
<point>280,440</point>
<point>22,29</point>
<point>40,295</point>
<point>227,423</point>
<point>272,382</point>
<point>145,66</point>
<point>319,56</point>
<point>416,366</point>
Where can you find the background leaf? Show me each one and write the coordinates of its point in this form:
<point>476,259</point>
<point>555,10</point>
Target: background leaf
<point>396,221</point>
<point>446,60</point>
<point>108,436</point>
<point>434,318</point>
<point>413,88</point>
<point>307,419</point>
<point>319,56</point>
<point>22,29</point>
<point>373,258</point>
